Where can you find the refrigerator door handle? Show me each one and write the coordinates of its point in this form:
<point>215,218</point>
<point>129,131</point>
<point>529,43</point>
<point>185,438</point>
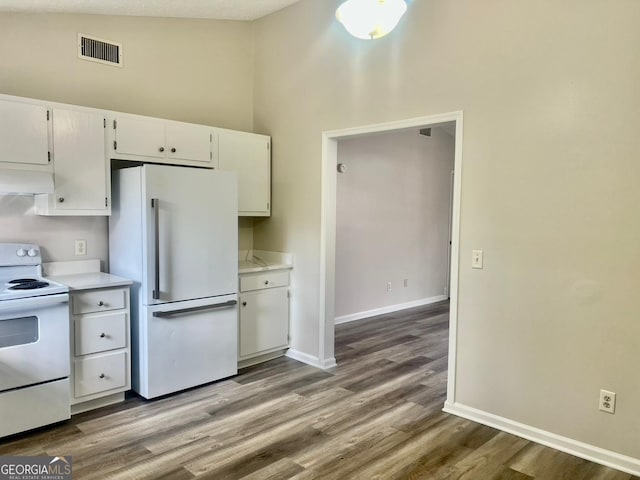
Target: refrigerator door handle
<point>155,205</point>
<point>202,308</point>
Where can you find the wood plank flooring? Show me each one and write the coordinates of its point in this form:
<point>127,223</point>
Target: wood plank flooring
<point>375,416</point>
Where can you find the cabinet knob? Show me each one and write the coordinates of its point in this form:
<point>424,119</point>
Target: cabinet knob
<point>161,149</point>
<point>102,375</point>
<point>173,150</point>
<point>244,304</point>
<point>101,303</point>
<point>60,199</point>
<point>102,335</point>
<point>266,282</point>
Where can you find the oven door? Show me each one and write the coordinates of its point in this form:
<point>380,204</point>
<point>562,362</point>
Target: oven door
<point>34,340</point>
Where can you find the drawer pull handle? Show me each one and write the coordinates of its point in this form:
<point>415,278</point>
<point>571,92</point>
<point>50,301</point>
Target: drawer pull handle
<point>102,375</point>
<point>102,335</point>
<point>101,303</point>
<point>244,304</point>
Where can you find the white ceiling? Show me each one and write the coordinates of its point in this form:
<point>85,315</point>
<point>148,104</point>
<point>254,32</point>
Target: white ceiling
<point>217,9</point>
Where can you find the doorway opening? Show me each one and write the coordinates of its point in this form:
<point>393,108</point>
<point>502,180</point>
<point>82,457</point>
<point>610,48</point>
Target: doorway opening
<point>327,307</point>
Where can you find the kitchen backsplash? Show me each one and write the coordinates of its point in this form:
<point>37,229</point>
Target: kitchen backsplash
<point>56,236</point>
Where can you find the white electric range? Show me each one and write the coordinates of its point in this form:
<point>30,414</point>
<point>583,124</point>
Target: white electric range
<point>34,342</point>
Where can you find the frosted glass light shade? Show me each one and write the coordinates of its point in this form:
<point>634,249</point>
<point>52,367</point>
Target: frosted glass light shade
<point>370,19</point>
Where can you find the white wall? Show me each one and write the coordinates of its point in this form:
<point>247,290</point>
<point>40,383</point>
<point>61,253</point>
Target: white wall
<point>392,220</point>
<point>550,97</point>
<point>198,71</point>
<point>56,235</point>
<point>245,233</point>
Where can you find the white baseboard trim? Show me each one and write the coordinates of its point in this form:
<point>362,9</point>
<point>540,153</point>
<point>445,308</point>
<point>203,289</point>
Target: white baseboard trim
<point>389,309</point>
<point>311,359</point>
<point>564,444</point>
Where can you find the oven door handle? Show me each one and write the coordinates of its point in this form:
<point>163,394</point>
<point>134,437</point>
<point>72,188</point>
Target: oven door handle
<point>202,308</point>
<point>31,303</point>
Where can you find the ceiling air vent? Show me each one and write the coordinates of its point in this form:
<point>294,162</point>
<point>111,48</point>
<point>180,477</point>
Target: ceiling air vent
<point>99,50</point>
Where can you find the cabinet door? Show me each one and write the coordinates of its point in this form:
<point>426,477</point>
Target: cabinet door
<point>264,321</point>
<point>248,155</point>
<point>189,142</point>
<point>139,136</point>
<point>79,161</point>
<point>24,134</point>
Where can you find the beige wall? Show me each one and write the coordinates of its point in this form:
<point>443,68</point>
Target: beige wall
<point>245,233</point>
<point>392,219</point>
<point>196,71</point>
<point>550,97</point>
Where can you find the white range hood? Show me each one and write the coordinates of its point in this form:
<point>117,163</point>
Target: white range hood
<point>25,182</point>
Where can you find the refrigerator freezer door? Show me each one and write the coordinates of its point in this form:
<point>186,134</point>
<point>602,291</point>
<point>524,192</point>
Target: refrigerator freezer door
<point>191,238</point>
<point>186,344</point>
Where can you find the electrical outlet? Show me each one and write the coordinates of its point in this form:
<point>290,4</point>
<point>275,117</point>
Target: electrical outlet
<point>81,247</point>
<point>406,282</point>
<point>607,401</point>
<point>388,286</point>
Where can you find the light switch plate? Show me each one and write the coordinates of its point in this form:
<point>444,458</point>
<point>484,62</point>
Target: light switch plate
<point>477,259</point>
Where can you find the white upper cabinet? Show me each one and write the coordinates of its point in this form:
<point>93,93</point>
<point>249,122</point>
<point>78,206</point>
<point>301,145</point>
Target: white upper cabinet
<point>189,142</point>
<point>77,143</point>
<point>138,136</point>
<point>24,134</point>
<point>249,155</point>
<point>154,140</point>
<point>81,171</point>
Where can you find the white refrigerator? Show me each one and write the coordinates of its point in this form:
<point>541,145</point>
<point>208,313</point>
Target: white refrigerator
<point>174,232</point>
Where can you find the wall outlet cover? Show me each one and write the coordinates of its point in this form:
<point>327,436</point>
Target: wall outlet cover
<point>81,247</point>
<point>607,401</point>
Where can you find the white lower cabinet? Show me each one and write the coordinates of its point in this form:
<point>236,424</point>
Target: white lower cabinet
<point>101,354</point>
<point>264,313</point>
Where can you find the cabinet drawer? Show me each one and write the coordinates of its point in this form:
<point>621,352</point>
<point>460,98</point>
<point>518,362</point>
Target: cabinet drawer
<point>99,374</point>
<point>100,333</point>
<point>99,301</point>
<point>264,280</point>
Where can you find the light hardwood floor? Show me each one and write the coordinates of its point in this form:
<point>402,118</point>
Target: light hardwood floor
<point>375,416</point>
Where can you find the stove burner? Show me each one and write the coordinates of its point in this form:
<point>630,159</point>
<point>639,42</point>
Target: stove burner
<point>23,280</point>
<point>29,285</point>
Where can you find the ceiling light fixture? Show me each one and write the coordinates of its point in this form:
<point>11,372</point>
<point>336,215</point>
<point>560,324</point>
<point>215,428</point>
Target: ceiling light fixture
<point>370,19</point>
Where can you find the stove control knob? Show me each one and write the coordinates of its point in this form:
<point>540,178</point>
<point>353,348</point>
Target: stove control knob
<point>21,252</point>
<point>32,252</point>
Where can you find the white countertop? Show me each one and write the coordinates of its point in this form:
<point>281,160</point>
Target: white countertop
<point>251,261</point>
<point>82,275</point>
<point>89,281</point>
